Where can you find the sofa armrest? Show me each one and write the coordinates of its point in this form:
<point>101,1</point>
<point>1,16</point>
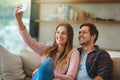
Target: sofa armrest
<point>116,68</point>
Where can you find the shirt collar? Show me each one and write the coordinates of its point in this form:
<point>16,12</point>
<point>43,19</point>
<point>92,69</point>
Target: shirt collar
<point>96,49</point>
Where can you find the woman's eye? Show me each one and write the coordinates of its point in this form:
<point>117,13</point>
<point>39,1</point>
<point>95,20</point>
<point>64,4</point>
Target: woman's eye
<point>64,33</point>
<point>57,32</point>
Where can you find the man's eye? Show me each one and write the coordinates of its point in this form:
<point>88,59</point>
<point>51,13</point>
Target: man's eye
<point>84,32</point>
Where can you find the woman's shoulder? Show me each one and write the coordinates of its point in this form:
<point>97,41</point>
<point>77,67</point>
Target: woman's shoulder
<point>74,54</point>
<point>74,51</point>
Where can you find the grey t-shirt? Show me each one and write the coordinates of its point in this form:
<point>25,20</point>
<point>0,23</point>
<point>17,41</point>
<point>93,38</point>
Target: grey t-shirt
<point>82,73</point>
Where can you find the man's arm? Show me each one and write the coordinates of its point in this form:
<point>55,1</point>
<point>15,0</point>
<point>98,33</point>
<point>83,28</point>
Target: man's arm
<point>104,69</point>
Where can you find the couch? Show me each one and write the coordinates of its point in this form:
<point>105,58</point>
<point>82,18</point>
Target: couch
<point>20,66</point>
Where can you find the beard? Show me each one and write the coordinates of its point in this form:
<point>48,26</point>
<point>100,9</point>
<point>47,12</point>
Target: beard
<point>85,43</point>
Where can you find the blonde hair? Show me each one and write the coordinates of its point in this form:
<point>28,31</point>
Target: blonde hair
<point>52,51</point>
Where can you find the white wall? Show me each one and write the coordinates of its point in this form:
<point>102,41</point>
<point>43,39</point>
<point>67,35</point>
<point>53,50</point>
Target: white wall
<point>109,33</point>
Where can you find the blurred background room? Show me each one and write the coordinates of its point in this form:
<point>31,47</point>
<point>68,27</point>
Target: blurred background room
<point>9,35</point>
<point>42,17</point>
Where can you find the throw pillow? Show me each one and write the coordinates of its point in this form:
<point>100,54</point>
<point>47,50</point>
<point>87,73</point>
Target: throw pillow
<point>30,60</point>
<point>10,66</point>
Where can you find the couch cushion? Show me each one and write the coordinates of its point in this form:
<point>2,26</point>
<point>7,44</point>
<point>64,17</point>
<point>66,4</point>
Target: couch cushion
<point>116,68</point>
<point>31,61</point>
<point>10,66</point>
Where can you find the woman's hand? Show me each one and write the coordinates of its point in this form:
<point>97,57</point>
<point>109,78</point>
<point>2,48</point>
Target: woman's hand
<point>34,72</point>
<point>18,13</point>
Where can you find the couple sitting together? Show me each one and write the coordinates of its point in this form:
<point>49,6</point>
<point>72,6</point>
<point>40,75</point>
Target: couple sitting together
<point>62,61</point>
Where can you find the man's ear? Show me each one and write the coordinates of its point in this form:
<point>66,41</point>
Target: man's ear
<point>94,36</point>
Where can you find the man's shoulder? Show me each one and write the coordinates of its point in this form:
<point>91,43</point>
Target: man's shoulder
<point>99,50</point>
<point>103,52</point>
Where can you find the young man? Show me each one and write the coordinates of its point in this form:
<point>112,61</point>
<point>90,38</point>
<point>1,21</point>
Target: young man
<point>95,63</point>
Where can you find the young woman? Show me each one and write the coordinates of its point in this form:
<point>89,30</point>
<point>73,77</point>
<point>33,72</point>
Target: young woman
<point>65,58</point>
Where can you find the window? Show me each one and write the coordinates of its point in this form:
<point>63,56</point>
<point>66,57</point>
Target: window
<point>9,35</point>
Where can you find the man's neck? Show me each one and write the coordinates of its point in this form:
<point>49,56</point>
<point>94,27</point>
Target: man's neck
<point>88,48</point>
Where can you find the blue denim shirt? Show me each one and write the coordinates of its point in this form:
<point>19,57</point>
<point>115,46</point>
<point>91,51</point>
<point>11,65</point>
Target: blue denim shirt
<point>98,63</point>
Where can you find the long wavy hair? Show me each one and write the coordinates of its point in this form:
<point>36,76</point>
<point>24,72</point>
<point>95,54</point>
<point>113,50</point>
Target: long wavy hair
<point>52,51</point>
